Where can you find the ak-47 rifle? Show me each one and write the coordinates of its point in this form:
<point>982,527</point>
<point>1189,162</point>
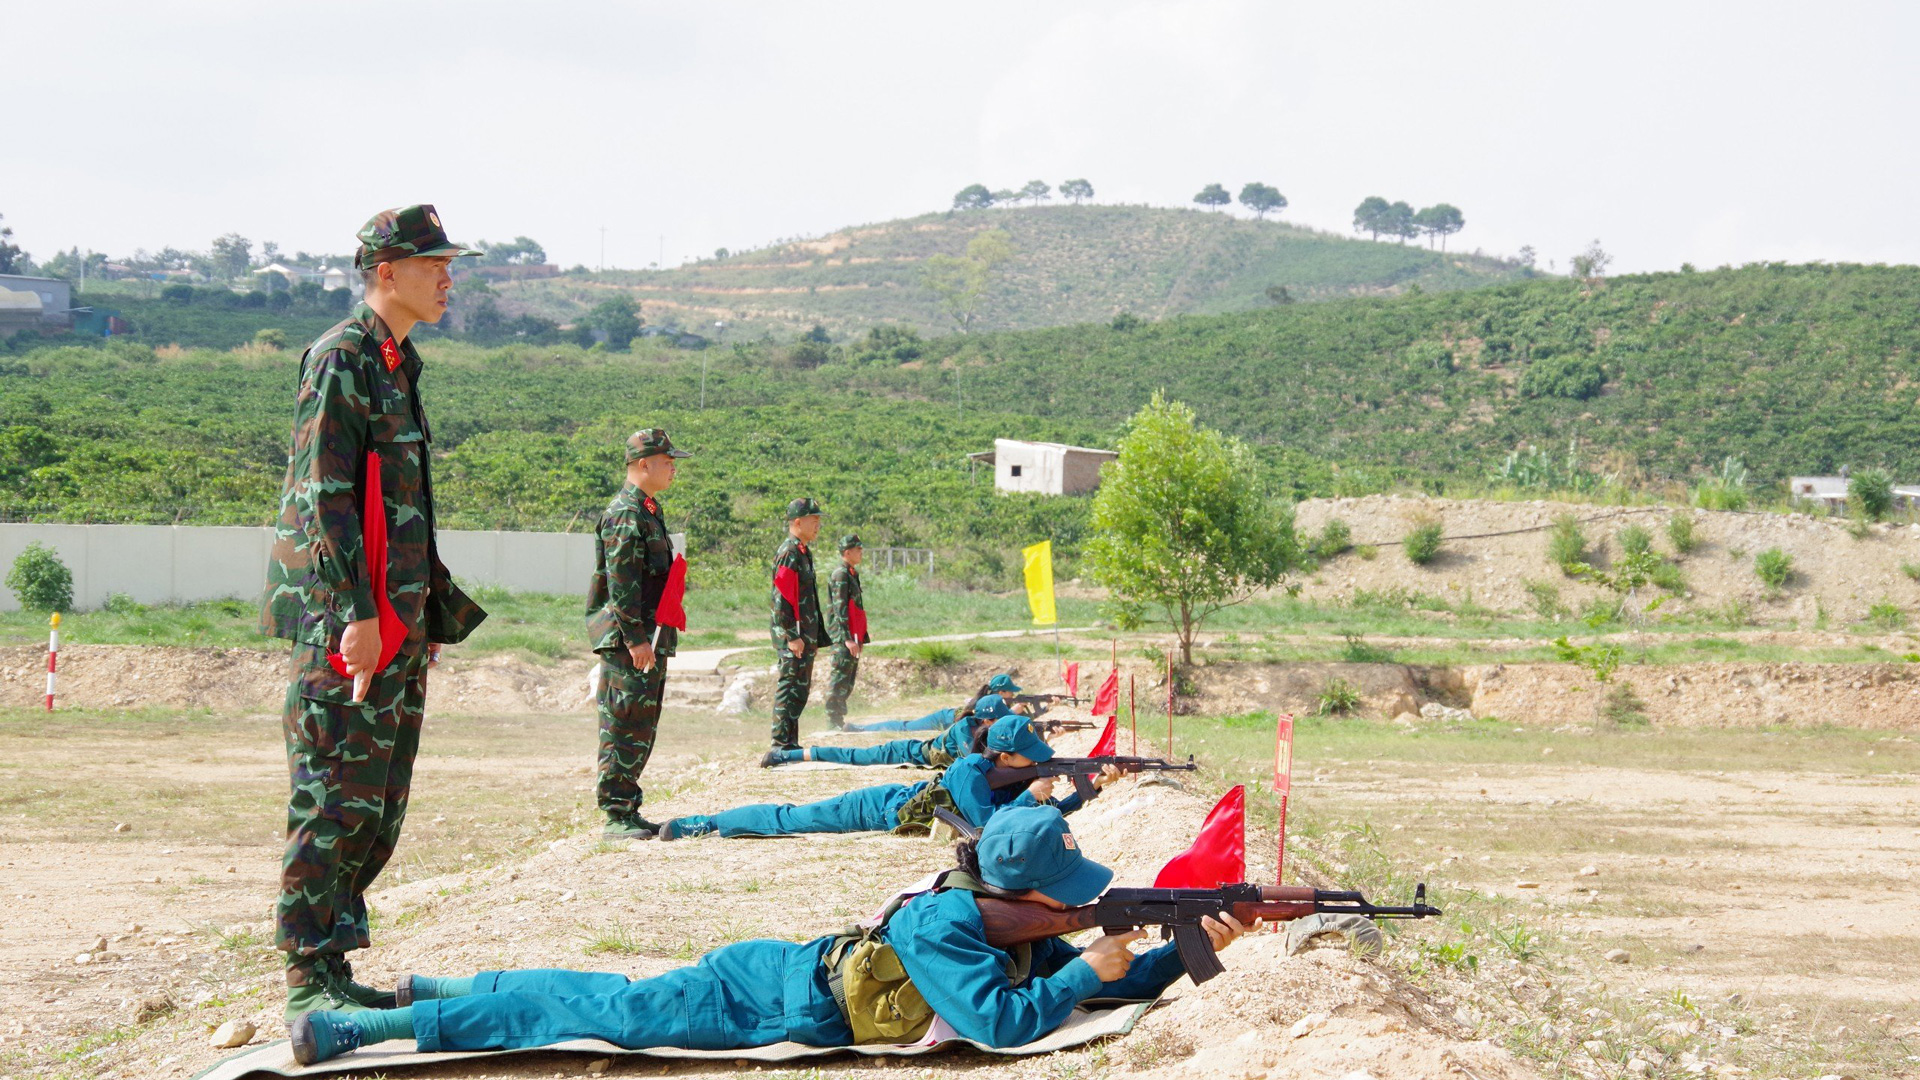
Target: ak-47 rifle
<point>1177,912</point>
<point>1081,770</point>
<point>1050,728</point>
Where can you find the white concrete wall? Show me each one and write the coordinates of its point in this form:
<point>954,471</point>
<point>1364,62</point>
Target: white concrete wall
<point>1039,467</point>
<point>160,564</point>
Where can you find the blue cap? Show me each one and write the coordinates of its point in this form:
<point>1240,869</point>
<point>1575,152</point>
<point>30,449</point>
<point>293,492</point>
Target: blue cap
<point>991,707</point>
<point>1002,684</point>
<point>1015,733</point>
<point>1030,847</point>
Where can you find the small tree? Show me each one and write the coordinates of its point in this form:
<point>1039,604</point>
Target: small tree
<point>1871,493</point>
<point>1076,190</point>
<point>1398,221</point>
<point>973,197</point>
<point>1214,196</point>
<point>619,318</point>
<point>1422,545</point>
<point>40,581</point>
<point>231,255</point>
<point>1036,191</point>
<point>1262,199</point>
<point>1370,216</point>
<point>1441,220</point>
<point>960,281</point>
<point>1773,567</point>
<point>1180,525</point>
<point>1590,264</point>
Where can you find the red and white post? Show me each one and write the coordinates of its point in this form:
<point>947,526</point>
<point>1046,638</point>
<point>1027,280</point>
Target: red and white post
<point>1282,786</point>
<point>53,656</point>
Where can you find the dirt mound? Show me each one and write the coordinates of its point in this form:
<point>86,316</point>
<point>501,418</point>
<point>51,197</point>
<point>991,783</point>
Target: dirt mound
<point>1835,577</point>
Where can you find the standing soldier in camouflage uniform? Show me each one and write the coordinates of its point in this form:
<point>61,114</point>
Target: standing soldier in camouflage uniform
<point>632,554</point>
<point>351,738</point>
<point>798,631</point>
<point>847,629</point>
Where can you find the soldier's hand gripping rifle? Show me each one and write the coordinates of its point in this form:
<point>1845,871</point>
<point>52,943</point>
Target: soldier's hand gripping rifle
<point>1177,912</point>
<point>1082,770</point>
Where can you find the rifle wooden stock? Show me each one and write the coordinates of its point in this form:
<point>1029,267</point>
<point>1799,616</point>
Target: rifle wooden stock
<point>1018,922</point>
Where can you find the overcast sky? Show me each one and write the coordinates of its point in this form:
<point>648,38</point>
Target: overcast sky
<point>1704,132</point>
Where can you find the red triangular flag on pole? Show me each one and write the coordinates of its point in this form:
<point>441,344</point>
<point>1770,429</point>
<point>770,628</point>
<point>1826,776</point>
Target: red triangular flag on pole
<point>1218,855</point>
<point>786,582</point>
<point>1072,676</point>
<point>1106,700</point>
<point>1109,739</point>
<point>373,541</point>
<point>672,610</point>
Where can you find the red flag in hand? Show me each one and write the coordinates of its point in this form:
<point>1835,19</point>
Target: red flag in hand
<point>1218,855</point>
<point>1106,700</point>
<point>672,610</point>
<point>1073,679</point>
<point>373,541</point>
<point>786,582</point>
<point>857,622</point>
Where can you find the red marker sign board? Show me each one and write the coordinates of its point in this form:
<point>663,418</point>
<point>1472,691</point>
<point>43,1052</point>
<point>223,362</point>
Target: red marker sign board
<point>1282,785</point>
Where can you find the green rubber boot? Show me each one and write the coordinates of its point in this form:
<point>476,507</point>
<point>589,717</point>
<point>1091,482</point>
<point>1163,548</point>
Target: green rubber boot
<point>628,827</point>
<point>315,984</point>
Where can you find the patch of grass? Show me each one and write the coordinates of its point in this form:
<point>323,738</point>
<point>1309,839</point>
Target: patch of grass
<point>612,938</point>
<point>1680,534</point>
<point>1366,552</point>
<point>1886,615</point>
<point>1338,697</point>
<point>1912,570</point>
<point>1544,598</point>
<point>1634,540</point>
<point>1357,651</point>
<point>935,653</point>
<point>1622,707</point>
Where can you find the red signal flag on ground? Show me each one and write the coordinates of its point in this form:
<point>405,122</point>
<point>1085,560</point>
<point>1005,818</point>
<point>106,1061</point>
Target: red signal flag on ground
<point>373,541</point>
<point>1218,855</point>
<point>672,610</point>
<point>1073,679</point>
<point>1106,700</point>
<point>786,582</point>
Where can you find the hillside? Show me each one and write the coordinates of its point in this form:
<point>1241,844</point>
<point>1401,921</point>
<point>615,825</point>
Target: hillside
<point>1655,380</point>
<point>1071,264</point>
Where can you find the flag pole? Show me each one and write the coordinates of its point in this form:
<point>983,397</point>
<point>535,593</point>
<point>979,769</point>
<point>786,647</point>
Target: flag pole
<point>1169,704</point>
<point>1133,717</point>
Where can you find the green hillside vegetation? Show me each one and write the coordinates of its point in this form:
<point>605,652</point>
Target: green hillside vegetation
<point>1654,381</point>
<point>1071,264</point>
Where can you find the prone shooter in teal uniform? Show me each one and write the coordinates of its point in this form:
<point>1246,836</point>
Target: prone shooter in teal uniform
<point>964,736</point>
<point>927,957</point>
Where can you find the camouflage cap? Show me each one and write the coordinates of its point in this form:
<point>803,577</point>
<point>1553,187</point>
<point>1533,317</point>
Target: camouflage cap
<point>391,235</point>
<point>850,541</point>
<point>650,441</point>
<point>802,507</point>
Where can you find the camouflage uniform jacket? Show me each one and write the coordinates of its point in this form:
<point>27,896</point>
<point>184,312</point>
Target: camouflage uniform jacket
<point>843,595</point>
<point>787,623</point>
<point>631,556</point>
<point>358,392</point>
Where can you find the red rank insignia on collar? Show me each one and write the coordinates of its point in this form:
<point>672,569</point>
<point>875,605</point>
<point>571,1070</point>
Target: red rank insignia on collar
<point>390,352</point>
<point>652,507</point>
<point>803,549</point>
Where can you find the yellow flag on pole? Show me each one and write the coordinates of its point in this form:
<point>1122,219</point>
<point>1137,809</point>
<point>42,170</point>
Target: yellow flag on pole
<point>1040,582</point>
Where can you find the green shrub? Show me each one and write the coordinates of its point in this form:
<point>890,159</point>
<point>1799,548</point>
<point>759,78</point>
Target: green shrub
<point>271,337</point>
<point>934,653</point>
<point>1335,539</point>
<point>1734,613</point>
<point>1573,377</point>
<point>1774,567</point>
<point>1357,651</point>
<point>1367,552</point>
<point>1725,490</point>
<point>120,603</point>
<point>1912,570</point>
<point>1871,494</point>
<point>1544,598</point>
<point>1567,544</point>
<point>1668,576</point>
<point>1634,540</point>
<point>1622,707</point>
<point>40,581</point>
<point>1886,615</point>
<point>1338,697</point>
<point>1680,534</point>
<point>1422,545</point>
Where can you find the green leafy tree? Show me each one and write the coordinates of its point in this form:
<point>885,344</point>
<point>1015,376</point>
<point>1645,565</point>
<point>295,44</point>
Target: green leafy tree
<point>1370,217</point>
<point>1441,220</point>
<point>1213,195</point>
<point>1005,195</point>
<point>10,254</point>
<point>1180,523</point>
<point>1871,493</point>
<point>1077,190</point>
<point>1398,221</point>
<point>973,197</point>
<point>1568,375</point>
<point>961,281</point>
<point>40,581</point>
<point>619,317</point>
<point>230,255</point>
<point>1036,191</point>
<point>1590,264</point>
<point>1262,199</point>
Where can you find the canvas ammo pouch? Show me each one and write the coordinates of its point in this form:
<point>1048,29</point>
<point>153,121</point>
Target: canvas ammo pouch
<point>872,988</point>
<point>916,817</point>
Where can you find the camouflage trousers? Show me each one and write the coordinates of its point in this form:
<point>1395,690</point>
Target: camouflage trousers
<point>790,697</point>
<point>840,675</point>
<point>350,766</point>
<point>629,701</point>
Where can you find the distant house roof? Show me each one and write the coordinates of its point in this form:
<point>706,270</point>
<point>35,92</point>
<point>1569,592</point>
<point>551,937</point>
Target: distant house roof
<point>987,455</point>
<point>1818,487</point>
<point>286,271</point>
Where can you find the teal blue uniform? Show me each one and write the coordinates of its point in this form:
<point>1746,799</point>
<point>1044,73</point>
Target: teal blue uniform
<point>758,992</point>
<point>933,721</point>
<point>870,809</point>
<point>952,745</point>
